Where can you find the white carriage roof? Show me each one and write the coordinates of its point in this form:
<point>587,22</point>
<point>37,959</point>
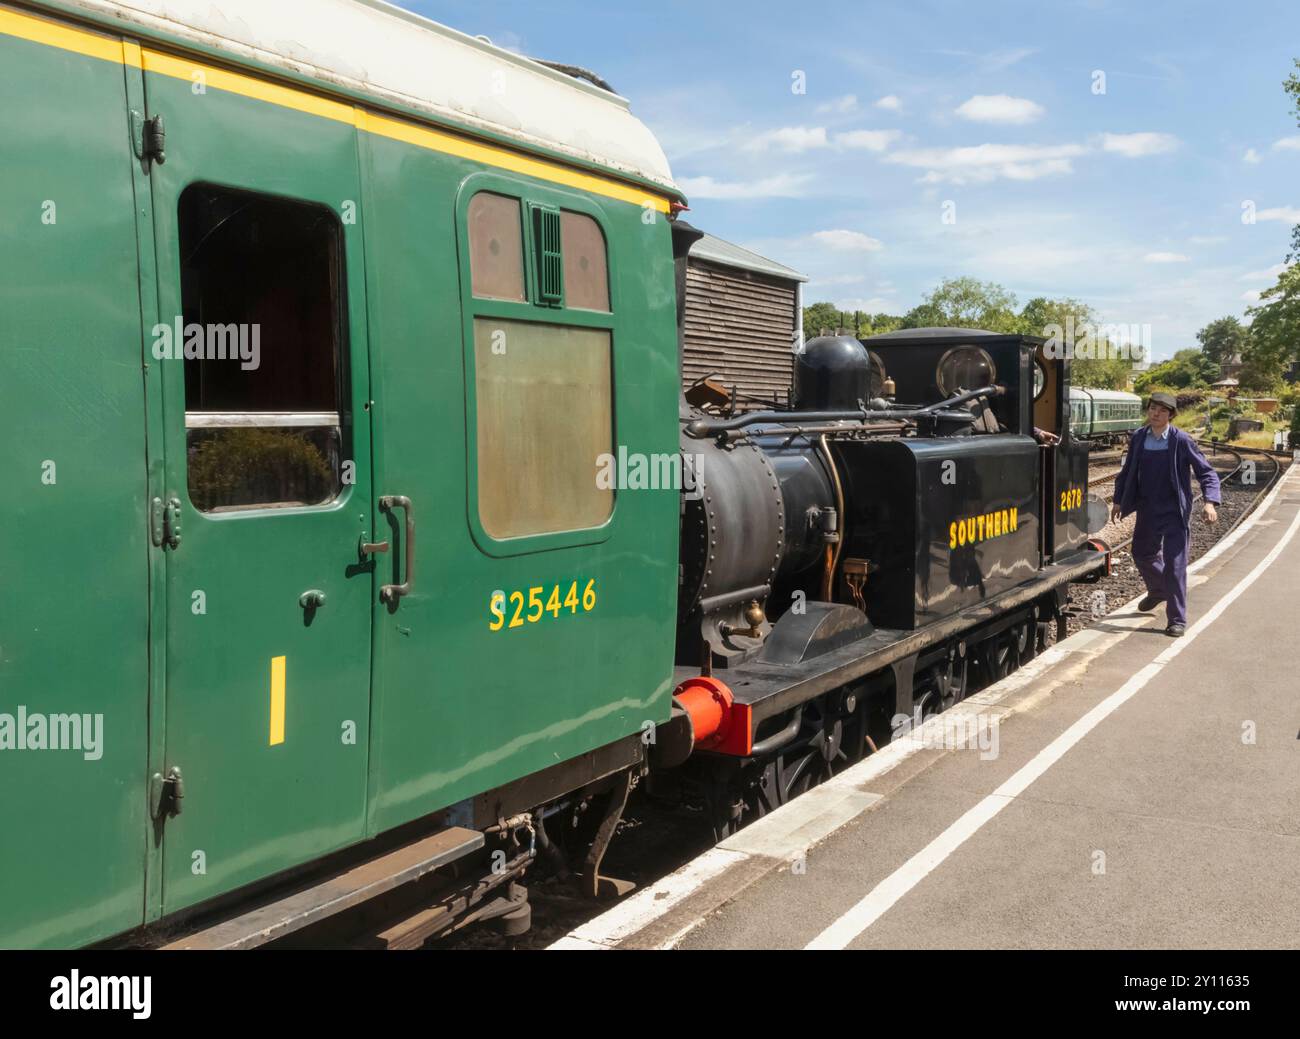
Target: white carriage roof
<point>391,53</point>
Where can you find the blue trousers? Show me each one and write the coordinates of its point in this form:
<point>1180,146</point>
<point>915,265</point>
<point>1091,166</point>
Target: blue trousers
<point>1160,544</point>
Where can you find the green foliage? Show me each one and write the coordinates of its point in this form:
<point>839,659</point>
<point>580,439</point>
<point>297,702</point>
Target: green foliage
<point>1222,338</point>
<point>241,466</point>
<point>879,324</point>
<point>1274,332</point>
<point>1048,317</point>
<point>820,316</point>
<point>966,303</point>
<point>1101,373</point>
<point>825,316</point>
<point>1187,369</point>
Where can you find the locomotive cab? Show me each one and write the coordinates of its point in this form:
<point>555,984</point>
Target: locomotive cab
<point>933,363</point>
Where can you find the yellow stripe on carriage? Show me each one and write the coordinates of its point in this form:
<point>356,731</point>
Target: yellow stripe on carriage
<point>126,52</point>
<point>277,701</point>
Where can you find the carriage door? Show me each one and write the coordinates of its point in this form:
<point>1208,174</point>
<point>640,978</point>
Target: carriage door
<point>261,344</point>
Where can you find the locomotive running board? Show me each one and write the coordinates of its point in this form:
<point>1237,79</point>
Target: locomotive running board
<point>770,689</point>
<point>336,894</point>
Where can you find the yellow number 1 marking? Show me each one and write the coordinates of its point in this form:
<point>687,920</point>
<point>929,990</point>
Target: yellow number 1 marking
<point>277,701</point>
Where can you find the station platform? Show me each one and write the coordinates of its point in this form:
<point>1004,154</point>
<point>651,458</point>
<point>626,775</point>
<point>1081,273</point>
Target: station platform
<point>1124,790</point>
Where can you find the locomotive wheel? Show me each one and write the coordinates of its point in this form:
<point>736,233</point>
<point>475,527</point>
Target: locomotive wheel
<point>996,659</point>
<point>784,778</point>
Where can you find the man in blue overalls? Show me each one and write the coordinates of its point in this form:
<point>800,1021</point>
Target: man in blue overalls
<point>1156,482</point>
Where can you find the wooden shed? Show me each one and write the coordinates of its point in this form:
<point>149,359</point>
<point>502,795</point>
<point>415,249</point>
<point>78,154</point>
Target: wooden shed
<point>744,319</point>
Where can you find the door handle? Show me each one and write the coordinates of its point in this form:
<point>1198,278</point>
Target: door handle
<point>392,593</point>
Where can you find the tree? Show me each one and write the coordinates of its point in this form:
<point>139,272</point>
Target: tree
<point>1187,369</point>
<point>966,303</point>
<point>1101,373</point>
<point>1275,331</point>
<point>819,316</point>
<point>879,324</point>
<point>1223,338</point>
<point>1043,317</point>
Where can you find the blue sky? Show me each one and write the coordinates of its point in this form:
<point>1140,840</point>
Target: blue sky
<point>1130,199</point>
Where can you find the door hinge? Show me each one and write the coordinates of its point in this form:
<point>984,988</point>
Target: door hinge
<point>165,522</point>
<point>148,138</point>
<point>167,793</point>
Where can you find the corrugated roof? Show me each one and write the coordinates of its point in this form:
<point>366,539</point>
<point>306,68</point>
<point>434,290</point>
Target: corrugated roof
<point>716,250</point>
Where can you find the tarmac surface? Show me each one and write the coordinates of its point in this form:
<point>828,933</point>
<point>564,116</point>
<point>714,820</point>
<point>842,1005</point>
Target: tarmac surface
<point>1125,790</point>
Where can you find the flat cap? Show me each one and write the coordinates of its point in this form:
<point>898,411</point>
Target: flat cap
<point>1167,400</point>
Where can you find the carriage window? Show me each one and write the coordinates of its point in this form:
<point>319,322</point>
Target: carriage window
<point>586,276</point>
<point>545,416</point>
<point>496,247</point>
<point>261,336</point>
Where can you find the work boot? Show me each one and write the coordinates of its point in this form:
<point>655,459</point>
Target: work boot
<point>1176,631</point>
<point>1150,602</point>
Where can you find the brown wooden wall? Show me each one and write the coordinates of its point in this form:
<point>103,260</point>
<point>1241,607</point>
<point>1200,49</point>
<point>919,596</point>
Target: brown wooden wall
<point>739,324</point>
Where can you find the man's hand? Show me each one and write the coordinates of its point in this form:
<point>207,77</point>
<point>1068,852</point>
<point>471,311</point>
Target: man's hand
<point>1116,513</point>
<point>1211,513</point>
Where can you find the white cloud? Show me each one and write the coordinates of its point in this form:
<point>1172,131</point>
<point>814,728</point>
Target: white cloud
<point>1135,145</point>
<point>1288,144</point>
<point>871,140</point>
<point>984,162</point>
<point>1269,275</point>
<point>890,103</point>
<point>1000,108</point>
<point>795,139</point>
<point>1165,258</point>
<point>843,105</point>
<point>848,241</point>
<point>790,139</point>
<point>783,185</point>
<point>1250,297</point>
<point>1286,214</point>
<point>1251,156</point>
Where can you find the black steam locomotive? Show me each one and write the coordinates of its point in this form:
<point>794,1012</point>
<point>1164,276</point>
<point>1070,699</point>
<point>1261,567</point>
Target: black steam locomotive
<point>907,530</point>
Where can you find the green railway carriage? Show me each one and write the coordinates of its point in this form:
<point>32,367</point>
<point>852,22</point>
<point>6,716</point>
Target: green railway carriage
<point>304,359</point>
<point>1104,414</point>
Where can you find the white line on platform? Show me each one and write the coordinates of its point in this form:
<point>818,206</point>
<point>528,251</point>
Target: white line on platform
<point>805,822</point>
<point>634,913</point>
<point>886,894</point>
